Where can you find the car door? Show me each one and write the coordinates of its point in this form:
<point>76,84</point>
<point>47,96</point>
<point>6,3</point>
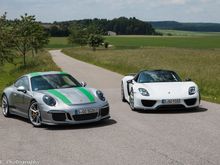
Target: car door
<point>21,99</point>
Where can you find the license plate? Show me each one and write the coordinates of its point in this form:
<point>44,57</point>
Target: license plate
<point>171,101</point>
<point>86,111</point>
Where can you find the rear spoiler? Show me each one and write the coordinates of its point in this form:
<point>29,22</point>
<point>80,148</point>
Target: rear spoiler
<point>131,74</point>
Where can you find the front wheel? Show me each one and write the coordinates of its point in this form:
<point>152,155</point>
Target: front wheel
<point>34,114</point>
<point>122,93</point>
<point>131,100</point>
<point>5,106</point>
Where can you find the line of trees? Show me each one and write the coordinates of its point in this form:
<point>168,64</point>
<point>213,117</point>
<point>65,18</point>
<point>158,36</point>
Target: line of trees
<point>91,35</point>
<point>20,36</point>
<point>121,26</point>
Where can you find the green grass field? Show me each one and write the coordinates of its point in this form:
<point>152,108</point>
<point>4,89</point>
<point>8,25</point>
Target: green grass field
<point>10,72</point>
<point>193,42</point>
<point>135,42</point>
<point>58,42</point>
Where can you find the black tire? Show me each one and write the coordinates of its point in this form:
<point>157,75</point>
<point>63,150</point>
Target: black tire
<point>5,106</point>
<point>34,117</point>
<point>131,101</point>
<point>122,93</point>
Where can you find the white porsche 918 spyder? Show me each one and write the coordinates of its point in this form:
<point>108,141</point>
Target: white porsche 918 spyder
<point>159,89</point>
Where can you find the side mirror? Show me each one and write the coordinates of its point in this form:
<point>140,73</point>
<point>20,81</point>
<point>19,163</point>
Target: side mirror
<point>188,79</point>
<point>21,89</point>
<point>83,84</point>
<point>130,81</point>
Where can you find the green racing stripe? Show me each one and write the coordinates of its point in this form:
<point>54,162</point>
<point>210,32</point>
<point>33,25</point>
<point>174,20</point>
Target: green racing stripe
<point>35,74</point>
<point>60,96</point>
<point>86,93</point>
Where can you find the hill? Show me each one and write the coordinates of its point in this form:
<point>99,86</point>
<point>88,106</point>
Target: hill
<point>173,25</point>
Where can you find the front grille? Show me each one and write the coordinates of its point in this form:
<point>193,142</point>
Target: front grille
<point>148,103</point>
<point>167,107</point>
<point>82,117</point>
<point>59,116</point>
<point>104,111</point>
<point>190,102</point>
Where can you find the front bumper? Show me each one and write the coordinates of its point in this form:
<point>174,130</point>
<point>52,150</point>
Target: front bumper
<point>147,103</point>
<point>72,116</point>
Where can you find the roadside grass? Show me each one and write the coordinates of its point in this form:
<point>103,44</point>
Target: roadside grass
<point>10,72</point>
<point>192,42</point>
<point>58,42</point>
<point>202,66</point>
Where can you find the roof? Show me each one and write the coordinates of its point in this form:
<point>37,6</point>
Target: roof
<point>33,74</point>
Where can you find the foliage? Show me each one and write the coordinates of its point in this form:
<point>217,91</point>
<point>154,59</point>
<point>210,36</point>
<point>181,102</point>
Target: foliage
<point>78,35</point>
<point>29,35</point>
<point>95,40</point>
<point>6,41</point>
<point>122,26</point>
<point>196,27</point>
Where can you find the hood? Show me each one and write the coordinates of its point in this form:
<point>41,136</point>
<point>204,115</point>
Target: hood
<point>168,89</point>
<point>71,96</point>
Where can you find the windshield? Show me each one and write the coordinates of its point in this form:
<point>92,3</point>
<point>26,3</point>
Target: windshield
<point>158,76</point>
<point>53,81</point>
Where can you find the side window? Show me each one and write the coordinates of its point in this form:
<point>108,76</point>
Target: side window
<point>22,82</point>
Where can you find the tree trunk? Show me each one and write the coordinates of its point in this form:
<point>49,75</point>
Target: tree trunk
<point>24,58</point>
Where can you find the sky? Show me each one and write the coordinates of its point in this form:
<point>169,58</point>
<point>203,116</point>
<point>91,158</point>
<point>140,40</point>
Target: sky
<point>146,10</point>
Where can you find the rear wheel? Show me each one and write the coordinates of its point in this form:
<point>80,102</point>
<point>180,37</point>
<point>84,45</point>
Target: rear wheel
<point>122,93</point>
<point>34,114</point>
<point>131,100</point>
<point>5,106</point>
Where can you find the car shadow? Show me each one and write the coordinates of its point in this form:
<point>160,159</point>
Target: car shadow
<point>102,123</point>
<point>15,117</point>
<point>174,111</point>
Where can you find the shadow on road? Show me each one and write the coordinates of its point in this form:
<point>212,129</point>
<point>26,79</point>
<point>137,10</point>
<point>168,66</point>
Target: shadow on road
<point>174,111</point>
<point>103,123</point>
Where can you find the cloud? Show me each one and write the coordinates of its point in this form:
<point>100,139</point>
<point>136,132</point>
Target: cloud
<point>57,10</point>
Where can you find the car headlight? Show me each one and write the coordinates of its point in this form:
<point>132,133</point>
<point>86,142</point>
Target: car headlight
<point>100,95</point>
<point>192,90</point>
<point>143,92</point>
<point>49,100</point>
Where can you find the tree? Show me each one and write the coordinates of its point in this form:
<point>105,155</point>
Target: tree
<point>78,35</point>
<point>95,40</point>
<point>29,35</point>
<point>6,41</point>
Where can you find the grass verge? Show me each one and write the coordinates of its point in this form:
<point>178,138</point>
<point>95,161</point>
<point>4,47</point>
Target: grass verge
<point>10,72</point>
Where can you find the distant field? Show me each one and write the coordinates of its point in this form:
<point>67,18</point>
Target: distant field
<point>134,42</point>
<point>203,66</point>
<point>58,42</point>
<point>186,33</point>
<point>198,42</point>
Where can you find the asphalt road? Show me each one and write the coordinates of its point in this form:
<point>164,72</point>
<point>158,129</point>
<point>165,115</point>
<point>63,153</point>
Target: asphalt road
<point>128,138</point>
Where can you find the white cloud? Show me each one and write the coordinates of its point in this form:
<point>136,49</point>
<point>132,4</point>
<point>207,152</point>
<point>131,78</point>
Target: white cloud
<point>51,10</point>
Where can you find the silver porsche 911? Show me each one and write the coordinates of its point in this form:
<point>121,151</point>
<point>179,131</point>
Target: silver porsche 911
<point>54,98</point>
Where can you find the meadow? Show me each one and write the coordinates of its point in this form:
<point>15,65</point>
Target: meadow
<point>193,56</point>
<point>136,42</point>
